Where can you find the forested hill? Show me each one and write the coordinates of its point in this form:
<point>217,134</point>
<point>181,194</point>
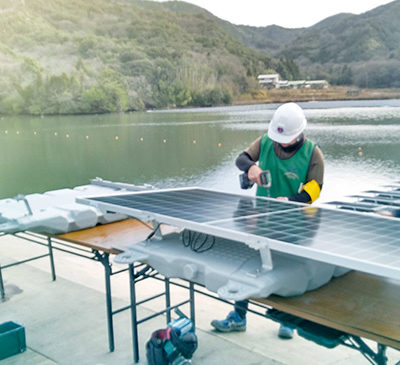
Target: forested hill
<point>346,48</point>
<point>80,56</point>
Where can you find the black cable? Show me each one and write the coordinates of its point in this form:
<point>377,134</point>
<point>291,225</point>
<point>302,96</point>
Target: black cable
<point>198,247</point>
<point>153,232</point>
<point>186,242</point>
<point>197,242</point>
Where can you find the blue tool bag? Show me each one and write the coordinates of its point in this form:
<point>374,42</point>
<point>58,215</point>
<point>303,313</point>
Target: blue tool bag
<point>173,345</point>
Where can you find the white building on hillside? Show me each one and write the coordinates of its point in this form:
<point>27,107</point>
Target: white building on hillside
<point>271,81</point>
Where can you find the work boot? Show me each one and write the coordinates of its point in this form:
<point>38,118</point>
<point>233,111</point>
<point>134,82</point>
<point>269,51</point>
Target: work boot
<point>233,322</point>
<point>285,332</point>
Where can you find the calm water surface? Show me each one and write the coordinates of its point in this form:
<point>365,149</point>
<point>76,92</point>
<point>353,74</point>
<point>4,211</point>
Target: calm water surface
<point>360,141</point>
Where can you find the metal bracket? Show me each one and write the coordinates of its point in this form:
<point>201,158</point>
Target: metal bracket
<point>23,198</point>
<point>157,231</point>
<point>102,257</point>
<point>377,358</point>
<point>122,186</point>
<point>266,259</point>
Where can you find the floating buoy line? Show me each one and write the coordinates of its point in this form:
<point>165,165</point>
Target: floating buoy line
<point>87,137</point>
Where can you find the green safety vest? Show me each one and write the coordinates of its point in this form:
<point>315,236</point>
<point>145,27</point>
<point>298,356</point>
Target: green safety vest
<point>287,176</point>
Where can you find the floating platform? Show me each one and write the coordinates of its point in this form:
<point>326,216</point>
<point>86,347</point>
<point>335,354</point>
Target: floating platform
<point>56,211</point>
<point>231,269</point>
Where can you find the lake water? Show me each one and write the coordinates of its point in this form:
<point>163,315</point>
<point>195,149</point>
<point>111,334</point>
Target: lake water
<point>194,147</point>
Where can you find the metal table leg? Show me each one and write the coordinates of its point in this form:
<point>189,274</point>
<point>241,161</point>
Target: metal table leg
<point>167,300</point>
<point>2,291</point>
<point>104,259</point>
<point>192,308</point>
<point>381,355</point>
<point>134,324</point>
<point>52,266</point>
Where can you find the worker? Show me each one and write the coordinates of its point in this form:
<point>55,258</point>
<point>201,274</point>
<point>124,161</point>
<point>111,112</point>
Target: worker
<point>296,168</point>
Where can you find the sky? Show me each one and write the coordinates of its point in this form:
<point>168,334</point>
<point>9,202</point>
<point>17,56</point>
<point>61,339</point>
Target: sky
<point>286,13</point>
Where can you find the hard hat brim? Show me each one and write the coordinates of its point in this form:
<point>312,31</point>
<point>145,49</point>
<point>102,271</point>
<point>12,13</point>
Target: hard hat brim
<point>283,138</point>
<point>276,137</point>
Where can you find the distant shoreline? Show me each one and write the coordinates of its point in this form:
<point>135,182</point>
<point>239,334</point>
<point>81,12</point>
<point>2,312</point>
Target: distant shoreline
<point>273,96</point>
<point>331,93</point>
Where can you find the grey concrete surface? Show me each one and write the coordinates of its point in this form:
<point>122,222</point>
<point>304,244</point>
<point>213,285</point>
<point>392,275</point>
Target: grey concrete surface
<point>65,320</point>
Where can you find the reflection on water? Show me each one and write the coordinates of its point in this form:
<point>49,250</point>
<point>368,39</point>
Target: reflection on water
<point>197,147</point>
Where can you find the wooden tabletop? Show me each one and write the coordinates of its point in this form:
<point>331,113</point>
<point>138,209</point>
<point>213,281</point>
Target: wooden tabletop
<point>112,238</point>
<point>359,304</point>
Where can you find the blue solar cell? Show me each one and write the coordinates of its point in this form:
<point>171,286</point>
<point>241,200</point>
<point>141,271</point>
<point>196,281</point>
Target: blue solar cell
<point>197,205</point>
<point>354,240</point>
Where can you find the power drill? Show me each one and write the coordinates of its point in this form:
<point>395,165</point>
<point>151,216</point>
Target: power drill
<point>246,183</point>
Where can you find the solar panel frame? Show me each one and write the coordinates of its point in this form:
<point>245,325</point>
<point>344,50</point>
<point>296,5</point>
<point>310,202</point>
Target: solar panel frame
<point>266,203</point>
<point>264,244</point>
<point>253,241</point>
<point>352,258</point>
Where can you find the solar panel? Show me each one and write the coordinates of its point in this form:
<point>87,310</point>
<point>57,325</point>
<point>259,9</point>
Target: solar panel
<point>195,205</point>
<point>394,186</point>
<point>378,200</point>
<point>350,239</point>
<point>357,206</point>
<point>352,236</point>
<point>388,194</point>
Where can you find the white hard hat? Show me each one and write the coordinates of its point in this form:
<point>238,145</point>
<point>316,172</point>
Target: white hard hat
<point>287,123</point>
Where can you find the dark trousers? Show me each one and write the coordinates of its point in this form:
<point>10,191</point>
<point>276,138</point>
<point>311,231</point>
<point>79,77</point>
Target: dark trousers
<point>241,308</point>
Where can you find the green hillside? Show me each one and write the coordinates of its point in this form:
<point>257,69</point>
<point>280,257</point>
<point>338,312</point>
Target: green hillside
<point>346,48</point>
<point>79,56</point>
<point>270,40</point>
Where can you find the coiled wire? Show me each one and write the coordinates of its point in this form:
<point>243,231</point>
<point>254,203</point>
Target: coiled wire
<point>196,241</point>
